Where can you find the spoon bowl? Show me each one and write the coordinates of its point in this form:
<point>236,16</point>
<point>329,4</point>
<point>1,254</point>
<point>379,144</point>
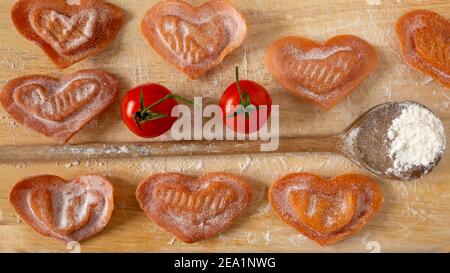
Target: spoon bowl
<point>366,142</point>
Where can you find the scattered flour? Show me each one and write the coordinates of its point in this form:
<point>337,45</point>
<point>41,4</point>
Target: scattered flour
<point>417,139</point>
<point>250,238</point>
<point>267,237</point>
<point>427,80</point>
<point>243,165</point>
<point>73,164</point>
<point>262,210</point>
<point>197,164</point>
<point>373,2</point>
<point>297,239</point>
<point>73,2</point>
<point>172,241</point>
<point>20,165</point>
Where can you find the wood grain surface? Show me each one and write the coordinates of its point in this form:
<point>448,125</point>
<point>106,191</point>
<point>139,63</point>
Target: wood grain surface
<point>415,215</point>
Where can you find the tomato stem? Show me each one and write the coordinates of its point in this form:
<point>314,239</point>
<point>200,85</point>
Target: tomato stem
<point>141,100</point>
<point>241,97</point>
<point>145,115</point>
<point>244,98</point>
<point>169,96</point>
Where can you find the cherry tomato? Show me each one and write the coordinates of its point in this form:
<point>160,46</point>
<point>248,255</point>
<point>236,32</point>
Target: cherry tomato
<point>141,117</point>
<point>244,100</point>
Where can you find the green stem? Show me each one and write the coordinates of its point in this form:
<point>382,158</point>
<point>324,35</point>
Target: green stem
<point>168,96</point>
<point>241,96</point>
<point>153,116</point>
<point>141,99</point>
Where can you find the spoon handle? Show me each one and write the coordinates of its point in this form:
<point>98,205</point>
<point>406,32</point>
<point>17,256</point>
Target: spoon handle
<point>162,149</point>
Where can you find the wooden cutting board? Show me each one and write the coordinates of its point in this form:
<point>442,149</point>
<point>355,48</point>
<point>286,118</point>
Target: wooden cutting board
<point>415,215</point>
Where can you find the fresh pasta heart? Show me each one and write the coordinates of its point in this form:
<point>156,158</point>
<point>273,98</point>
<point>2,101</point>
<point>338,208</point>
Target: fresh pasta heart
<point>322,74</point>
<point>325,211</point>
<point>425,39</point>
<point>65,210</point>
<point>194,40</point>
<point>193,209</point>
<point>59,108</point>
<point>68,33</point>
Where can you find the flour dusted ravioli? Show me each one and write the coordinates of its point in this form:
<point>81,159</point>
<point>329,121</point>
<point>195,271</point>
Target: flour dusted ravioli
<point>322,74</point>
<point>194,209</point>
<point>325,211</point>
<point>425,39</point>
<point>68,33</point>
<point>194,40</point>
<point>59,108</point>
<point>65,210</point>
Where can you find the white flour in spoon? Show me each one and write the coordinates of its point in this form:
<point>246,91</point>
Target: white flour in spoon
<point>417,138</point>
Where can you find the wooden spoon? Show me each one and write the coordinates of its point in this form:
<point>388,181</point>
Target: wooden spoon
<point>362,142</point>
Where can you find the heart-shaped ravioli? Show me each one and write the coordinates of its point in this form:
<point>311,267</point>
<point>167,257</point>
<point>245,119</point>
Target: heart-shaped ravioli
<point>59,108</point>
<point>194,209</point>
<point>425,39</point>
<point>322,74</point>
<point>326,211</point>
<point>68,33</point>
<point>65,210</point>
<point>194,40</point>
